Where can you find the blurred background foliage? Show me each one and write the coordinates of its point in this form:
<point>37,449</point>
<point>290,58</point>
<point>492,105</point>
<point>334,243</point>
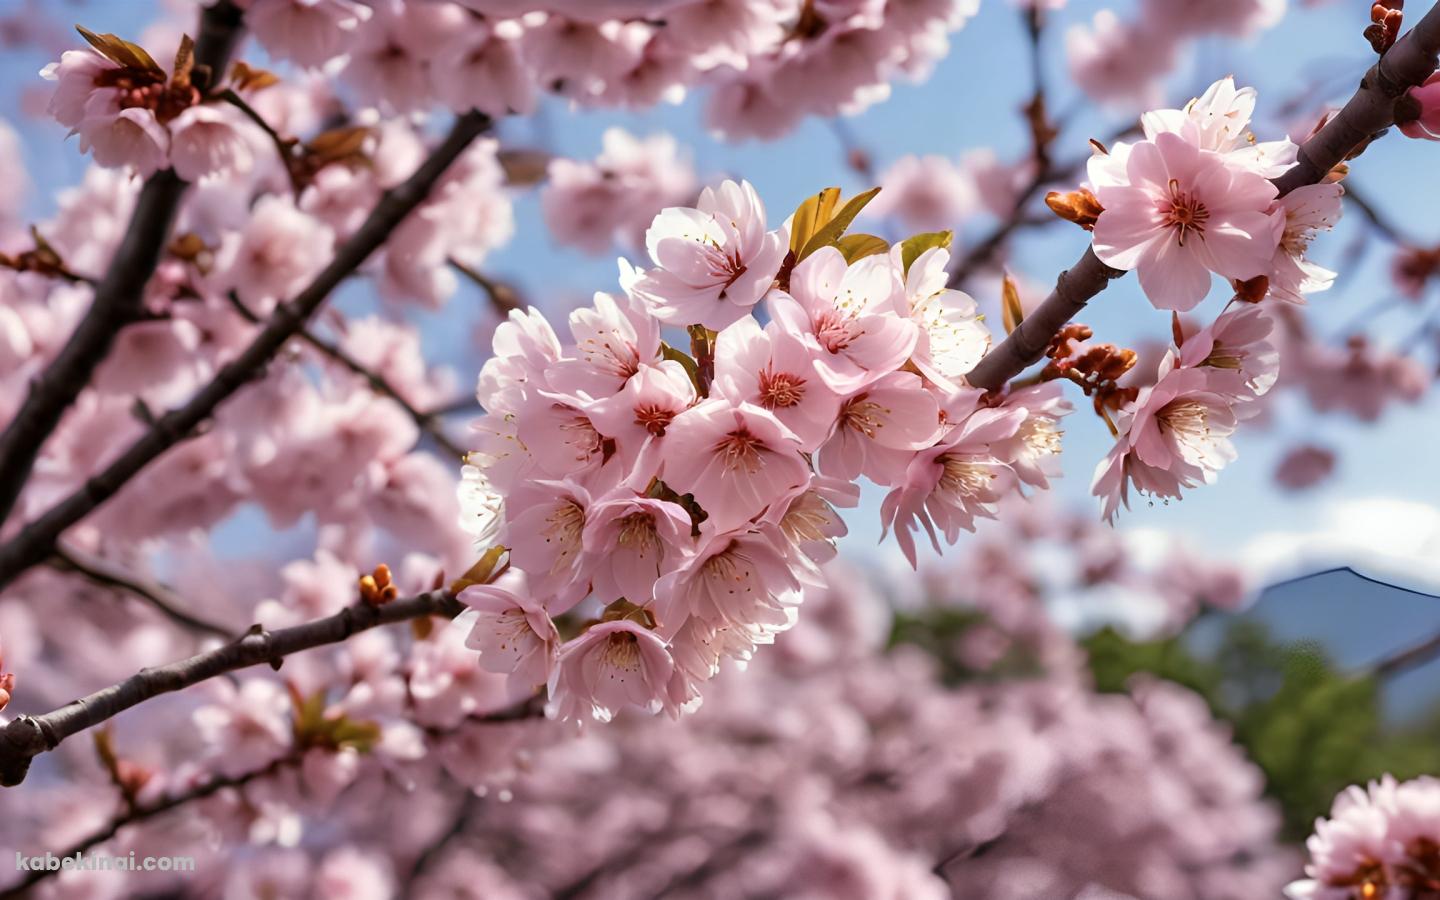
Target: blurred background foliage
<point>1312,726</point>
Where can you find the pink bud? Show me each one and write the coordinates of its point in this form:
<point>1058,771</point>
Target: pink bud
<point>1426,124</point>
<point>7,687</point>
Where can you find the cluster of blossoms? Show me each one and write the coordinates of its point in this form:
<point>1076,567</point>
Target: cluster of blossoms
<point>836,771</point>
<point>1190,201</point>
<point>594,205</point>
<point>765,61</point>
<point>130,112</point>
<point>830,764</point>
<point>1381,841</point>
<point>693,497</point>
<point>1125,62</point>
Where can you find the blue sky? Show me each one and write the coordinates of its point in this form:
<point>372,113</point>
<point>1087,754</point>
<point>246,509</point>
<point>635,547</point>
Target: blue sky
<point>968,102</point>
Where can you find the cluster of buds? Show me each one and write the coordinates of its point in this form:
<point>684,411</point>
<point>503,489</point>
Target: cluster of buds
<point>43,259</point>
<point>1095,368</point>
<point>1413,267</point>
<point>377,588</point>
<point>1386,17</point>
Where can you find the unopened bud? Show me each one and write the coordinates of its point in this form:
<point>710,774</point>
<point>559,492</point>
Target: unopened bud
<point>1078,206</point>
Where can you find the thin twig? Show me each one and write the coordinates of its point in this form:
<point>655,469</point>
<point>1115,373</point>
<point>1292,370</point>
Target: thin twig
<point>119,297</point>
<point>502,296</point>
<point>141,814</point>
<point>426,421</point>
<point>36,540</point>
<point>1368,112</point>
<point>525,709</point>
<point>107,574</point>
<point>29,736</point>
<point>1371,212</point>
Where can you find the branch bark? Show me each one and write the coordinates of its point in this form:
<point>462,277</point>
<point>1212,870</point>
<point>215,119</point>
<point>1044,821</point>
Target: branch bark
<point>1369,111</point>
<point>524,709</point>
<point>36,540</point>
<point>106,574</point>
<point>29,736</point>
<point>119,296</point>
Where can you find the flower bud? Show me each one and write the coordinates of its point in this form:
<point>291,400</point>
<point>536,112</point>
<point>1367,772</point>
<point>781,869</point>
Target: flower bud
<point>1079,206</point>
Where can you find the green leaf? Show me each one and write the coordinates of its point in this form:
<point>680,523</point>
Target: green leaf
<point>912,248</point>
<point>859,246</point>
<point>810,215</point>
<point>831,231</point>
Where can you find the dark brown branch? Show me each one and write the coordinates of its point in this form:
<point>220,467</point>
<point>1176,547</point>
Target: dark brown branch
<point>1369,111</point>
<point>107,574</point>
<point>119,297</point>
<point>141,814</point>
<point>524,709</point>
<point>29,736</point>
<point>426,421</point>
<point>36,540</point>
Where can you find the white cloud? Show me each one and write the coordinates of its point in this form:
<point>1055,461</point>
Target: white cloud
<point>1388,538</point>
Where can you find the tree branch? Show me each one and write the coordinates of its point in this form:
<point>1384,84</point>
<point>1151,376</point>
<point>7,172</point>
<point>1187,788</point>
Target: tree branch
<point>134,816</point>
<point>524,709</point>
<point>426,421</point>
<point>29,736</point>
<point>119,297</point>
<point>107,574</point>
<point>37,539</point>
<point>1369,111</point>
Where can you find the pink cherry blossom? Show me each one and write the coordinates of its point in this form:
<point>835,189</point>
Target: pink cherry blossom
<point>955,481</point>
<point>1178,435</point>
<point>879,428</point>
<point>926,193</point>
<point>203,141</point>
<point>736,460</point>
<point>952,338</point>
<point>1427,124</point>
<point>1239,342</point>
<point>611,666</point>
<point>279,251</point>
<point>635,540</point>
<point>612,341</point>
<point>310,32</point>
<point>851,316</point>
<point>738,579</point>
<point>511,631</point>
<point>639,417</point>
<point>714,262</point>
<point>123,138</point>
<point>772,369</point>
<point>1309,209</point>
<point>1176,213</point>
<point>1304,467</point>
<point>545,536</point>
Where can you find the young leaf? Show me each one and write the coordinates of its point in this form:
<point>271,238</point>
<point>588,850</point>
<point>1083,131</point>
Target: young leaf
<point>480,572</point>
<point>810,216</point>
<point>831,231</point>
<point>859,246</point>
<point>1011,312</point>
<point>912,248</point>
<point>120,51</point>
<point>184,62</point>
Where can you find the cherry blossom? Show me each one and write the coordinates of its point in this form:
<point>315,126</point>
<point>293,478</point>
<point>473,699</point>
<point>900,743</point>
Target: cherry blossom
<point>713,262</point>
<point>1176,213</point>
